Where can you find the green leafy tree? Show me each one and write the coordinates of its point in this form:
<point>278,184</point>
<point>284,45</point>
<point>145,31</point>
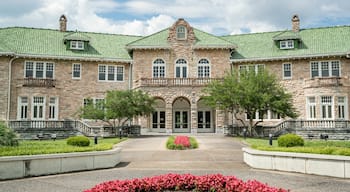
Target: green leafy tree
<point>250,92</point>
<point>119,107</point>
<point>7,136</point>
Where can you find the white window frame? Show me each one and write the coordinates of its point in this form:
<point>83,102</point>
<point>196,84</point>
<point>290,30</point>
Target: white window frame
<point>344,106</point>
<point>284,70</point>
<point>160,66</point>
<point>287,44</point>
<point>180,64</point>
<point>43,104</point>
<point>93,100</point>
<point>77,45</point>
<point>329,112</point>
<point>181,32</point>
<point>250,66</point>
<point>205,68</point>
<point>316,66</point>
<point>22,107</point>
<point>47,66</point>
<point>53,108</point>
<point>75,69</point>
<point>311,108</point>
<point>116,72</point>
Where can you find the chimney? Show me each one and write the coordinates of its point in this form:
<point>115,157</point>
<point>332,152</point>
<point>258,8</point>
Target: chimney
<point>63,23</point>
<point>295,23</point>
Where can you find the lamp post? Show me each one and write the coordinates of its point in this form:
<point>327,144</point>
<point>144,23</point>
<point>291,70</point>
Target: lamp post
<point>120,133</point>
<point>270,139</point>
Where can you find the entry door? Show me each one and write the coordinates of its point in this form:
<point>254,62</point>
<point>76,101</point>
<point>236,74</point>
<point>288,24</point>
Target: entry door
<point>204,121</point>
<point>38,108</point>
<point>181,121</point>
<point>158,120</point>
<point>181,68</point>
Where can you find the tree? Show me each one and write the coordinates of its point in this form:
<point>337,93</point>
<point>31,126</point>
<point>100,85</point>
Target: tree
<point>119,107</point>
<point>250,92</point>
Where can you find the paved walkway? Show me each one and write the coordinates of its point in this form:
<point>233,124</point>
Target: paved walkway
<point>147,156</point>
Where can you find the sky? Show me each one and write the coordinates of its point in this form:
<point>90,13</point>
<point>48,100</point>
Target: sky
<point>145,17</point>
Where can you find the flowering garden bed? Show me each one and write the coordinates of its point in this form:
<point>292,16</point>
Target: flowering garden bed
<point>181,143</point>
<point>185,182</point>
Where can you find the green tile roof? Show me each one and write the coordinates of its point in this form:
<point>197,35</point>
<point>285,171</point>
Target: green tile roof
<point>318,41</point>
<point>160,40</point>
<point>287,35</point>
<point>79,36</point>
<point>47,42</point>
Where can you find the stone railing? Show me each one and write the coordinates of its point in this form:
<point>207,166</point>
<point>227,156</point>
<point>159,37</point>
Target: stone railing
<point>176,82</point>
<point>325,82</point>
<point>27,124</point>
<point>38,82</point>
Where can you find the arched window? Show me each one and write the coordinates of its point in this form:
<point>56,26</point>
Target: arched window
<point>181,68</point>
<point>203,68</point>
<point>181,32</point>
<point>158,68</point>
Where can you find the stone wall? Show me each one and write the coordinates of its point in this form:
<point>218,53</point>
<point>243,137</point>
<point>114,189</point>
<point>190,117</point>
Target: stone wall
<point>70,92</point>
<point>4,64</point>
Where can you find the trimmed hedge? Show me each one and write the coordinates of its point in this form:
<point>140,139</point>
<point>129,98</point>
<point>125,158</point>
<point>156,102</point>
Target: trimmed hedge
<point>185,182</point>
<point>80,141</point>
<point>7,136</point>
<point>290,140</point>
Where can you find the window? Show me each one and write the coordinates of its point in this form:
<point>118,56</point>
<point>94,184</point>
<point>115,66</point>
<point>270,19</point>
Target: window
<point>181,68</point>
<point>311,108</point>
<point>98,103</point>
<point>287,71</point>
<point>325,69</point>
<point>326,107</point>
<point>342,109</point>
<point>39,69</point>
<point>159,68</point>
<point>78,45</point>
<point>256,68</point>
<point>181,32</point>
<point>203,68</point>
<point>110,73</point>
<point>53,108</point>
<point>76,71</point>
<point>289,44</point>
<point>22,113</point>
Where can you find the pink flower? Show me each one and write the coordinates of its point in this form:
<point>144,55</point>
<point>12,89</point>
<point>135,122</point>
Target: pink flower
<point>185,182</point>
<point>182,140</point>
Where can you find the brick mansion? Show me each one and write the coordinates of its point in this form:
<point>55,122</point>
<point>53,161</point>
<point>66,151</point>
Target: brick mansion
<point>47,75</point>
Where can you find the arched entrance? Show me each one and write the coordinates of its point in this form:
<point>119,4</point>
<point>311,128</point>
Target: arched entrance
<point>158,116</point>
<point>205,118</point>
<point>181,115</point>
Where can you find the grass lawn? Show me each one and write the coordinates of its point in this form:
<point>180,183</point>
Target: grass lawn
<point>30,147</point>
<point>310,146</point>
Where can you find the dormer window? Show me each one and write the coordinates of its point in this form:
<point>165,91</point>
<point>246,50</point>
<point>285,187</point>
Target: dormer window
<point>181,32</point>
<point>288,44</point>
<point>78,45</point>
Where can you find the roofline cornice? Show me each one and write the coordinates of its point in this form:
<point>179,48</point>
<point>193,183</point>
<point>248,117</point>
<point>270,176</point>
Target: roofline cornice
<point>147,47</point>
<point>289,57</point>
<point>34,56</point>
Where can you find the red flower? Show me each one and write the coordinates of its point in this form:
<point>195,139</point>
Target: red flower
<point>185,182</point>
<point>182,140</point>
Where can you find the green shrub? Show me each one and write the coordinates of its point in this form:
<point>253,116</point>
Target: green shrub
<point>290,140</point>
<point>80,141</point>
<point>7,136</point>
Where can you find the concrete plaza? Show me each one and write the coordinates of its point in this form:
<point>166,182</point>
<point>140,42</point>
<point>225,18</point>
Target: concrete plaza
<point>147,156</point>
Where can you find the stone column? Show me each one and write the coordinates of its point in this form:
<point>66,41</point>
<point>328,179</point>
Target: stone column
<point>193,117</point>
<point>220,121</point>
<point>169,118</point>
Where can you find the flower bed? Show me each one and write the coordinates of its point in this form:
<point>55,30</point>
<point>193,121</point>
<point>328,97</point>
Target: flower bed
<point>181,142</point>
<point>185,182</point>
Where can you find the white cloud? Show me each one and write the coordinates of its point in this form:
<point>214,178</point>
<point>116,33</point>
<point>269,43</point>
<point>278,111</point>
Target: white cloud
<point>141,17</point>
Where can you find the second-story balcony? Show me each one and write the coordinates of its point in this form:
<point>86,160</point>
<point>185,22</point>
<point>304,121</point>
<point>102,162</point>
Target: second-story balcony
<point>38,82</point>
<point>325,82</point>
<point>174,82</point>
